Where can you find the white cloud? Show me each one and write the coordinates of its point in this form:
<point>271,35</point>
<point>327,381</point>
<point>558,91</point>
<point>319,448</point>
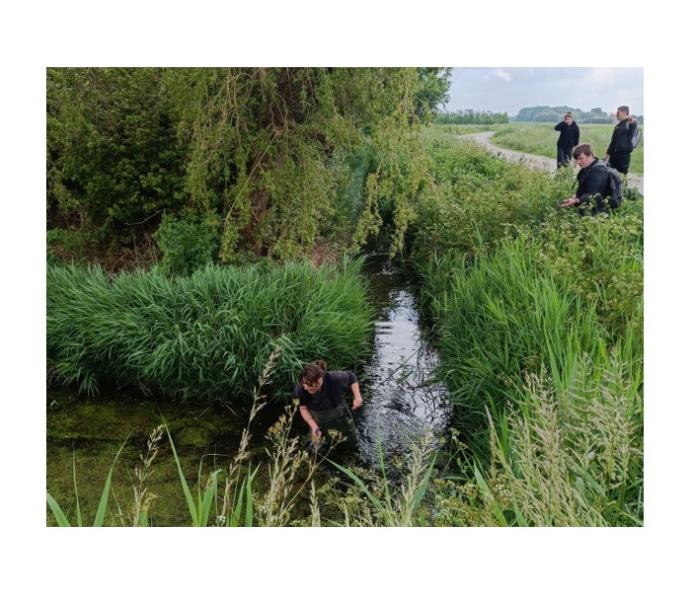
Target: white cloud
<point>504,75</point>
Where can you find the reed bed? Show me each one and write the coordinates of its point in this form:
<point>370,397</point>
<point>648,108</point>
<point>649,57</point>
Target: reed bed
<point>204,337</point>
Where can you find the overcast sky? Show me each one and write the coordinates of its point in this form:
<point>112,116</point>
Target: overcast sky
<point>510,89</point>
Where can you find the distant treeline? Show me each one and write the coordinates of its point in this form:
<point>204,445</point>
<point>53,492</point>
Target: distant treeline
<point>542,114</point>
<point>470,117</point>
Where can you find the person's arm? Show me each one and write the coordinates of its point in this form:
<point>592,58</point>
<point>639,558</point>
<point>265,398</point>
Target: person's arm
<point>569,201</point>
<point>309,420</point>
<point>560,126</point>
<point>577,135</point>
<point>357,401</point>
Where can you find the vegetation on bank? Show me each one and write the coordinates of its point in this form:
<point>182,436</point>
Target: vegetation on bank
<point>204,337</point>
<point>537,138</point>
<point>539,325</point>
<point>537,312</point>
<point>271,160</point>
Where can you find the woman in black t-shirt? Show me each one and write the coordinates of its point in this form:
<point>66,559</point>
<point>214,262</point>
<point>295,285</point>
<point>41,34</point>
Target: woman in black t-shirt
<point>321,399</point>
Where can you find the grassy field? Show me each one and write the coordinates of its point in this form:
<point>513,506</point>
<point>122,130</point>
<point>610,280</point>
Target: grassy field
<point>540,138</point>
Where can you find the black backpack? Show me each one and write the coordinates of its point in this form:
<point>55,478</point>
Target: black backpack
<point>636,137</point>
<point>614,187</point>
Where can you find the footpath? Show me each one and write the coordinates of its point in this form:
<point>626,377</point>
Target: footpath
<point>533,161</point>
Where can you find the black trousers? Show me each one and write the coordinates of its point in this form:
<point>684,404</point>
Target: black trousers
<point>563,156</point>
<point>620,161</point>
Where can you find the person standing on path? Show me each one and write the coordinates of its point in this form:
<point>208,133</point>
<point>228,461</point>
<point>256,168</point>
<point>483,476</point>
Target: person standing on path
<point>569,138</point>
<point>321,400</point>
<point>621,146</point>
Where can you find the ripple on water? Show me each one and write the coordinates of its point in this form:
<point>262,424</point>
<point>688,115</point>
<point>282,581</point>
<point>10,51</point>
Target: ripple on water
<point>402,402</point>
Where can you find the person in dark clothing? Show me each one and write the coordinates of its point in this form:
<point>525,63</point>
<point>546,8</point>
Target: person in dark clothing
<point>321,400</point>
<point>592,181</point>
<point>619,150</point>
<point>569,138</point>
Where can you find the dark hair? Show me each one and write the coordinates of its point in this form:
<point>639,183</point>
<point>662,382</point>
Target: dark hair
<point>625,109</point>
<point>568,114</point>
<point>583,149</point>
<point>312,372</point>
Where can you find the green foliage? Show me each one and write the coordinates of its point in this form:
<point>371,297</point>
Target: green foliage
<point>477,197</point>
<point>433,86</point>
<point>571,455</point>
<point>470,117</point>
<point>69,244</point>
<point>538,316</point>
<point>264,150</point>
<point>113,154</point>
<point>207,336</point>
<point>187,242</point>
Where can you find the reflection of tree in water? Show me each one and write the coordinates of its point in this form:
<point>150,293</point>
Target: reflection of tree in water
<point>403,402</point>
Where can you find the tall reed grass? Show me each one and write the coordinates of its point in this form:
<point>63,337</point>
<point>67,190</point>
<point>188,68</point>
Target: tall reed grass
<point>538,315</point>
<point>207,336</point>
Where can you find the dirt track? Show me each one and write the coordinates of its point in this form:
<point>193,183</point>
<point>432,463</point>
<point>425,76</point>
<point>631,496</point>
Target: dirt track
<point>533,161</point>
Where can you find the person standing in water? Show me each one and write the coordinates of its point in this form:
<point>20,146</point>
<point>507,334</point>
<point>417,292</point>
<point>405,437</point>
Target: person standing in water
<point>321,395</point>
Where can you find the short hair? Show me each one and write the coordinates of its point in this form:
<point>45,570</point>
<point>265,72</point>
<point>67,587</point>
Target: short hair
<point>625,109</point>
<point>312,372</point>
<point>568,114</point>
<point>583,149</point>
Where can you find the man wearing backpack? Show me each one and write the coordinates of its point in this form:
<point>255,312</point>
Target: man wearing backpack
<point>598,186</point>
<point>569,138</point>
<point>623,141</point>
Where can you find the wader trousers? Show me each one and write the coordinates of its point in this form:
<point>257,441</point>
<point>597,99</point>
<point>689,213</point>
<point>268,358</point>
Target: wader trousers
<point>339,418</point>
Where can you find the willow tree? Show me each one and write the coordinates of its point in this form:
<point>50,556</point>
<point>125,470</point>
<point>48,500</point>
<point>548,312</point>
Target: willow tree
<point>276,157</point>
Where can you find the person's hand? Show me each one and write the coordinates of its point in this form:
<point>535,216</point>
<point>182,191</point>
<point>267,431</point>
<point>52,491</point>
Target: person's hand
<point>568,202</point>
<point>357,403</point>
<point>315,433</point>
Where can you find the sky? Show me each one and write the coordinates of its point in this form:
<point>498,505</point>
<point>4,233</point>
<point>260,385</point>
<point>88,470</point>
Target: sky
<point>510,89</point>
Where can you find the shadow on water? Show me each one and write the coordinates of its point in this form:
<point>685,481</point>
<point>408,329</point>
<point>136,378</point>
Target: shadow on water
<point>402,403</point>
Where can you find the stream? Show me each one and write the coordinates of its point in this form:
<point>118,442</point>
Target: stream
<point>402,404</point>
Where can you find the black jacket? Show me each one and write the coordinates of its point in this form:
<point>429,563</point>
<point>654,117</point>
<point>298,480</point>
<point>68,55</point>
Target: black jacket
<point>621,140</point>
<point>570,134</point>
<point>592,180</point>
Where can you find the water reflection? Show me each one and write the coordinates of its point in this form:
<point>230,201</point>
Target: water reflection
<point>402,401</point>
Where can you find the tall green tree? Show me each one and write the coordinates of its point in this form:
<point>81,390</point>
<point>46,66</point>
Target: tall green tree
<point>272,155</point>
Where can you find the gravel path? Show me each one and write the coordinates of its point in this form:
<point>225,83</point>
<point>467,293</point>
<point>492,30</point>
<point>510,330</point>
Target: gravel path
<point>533,161</point>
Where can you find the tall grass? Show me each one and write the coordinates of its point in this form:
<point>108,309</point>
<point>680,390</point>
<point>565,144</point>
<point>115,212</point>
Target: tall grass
<point>538,316</point>
<point>476,198</point>
<point>207,336</point>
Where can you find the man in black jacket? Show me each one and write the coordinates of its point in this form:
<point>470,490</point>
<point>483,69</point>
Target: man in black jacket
<point>620,148</point>
<point>569,138</point>
<point>592,180</point>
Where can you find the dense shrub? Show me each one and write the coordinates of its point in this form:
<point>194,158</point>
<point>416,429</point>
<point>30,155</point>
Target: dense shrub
<point>207,336</point>
<point>187,243</point>
<point>476,197</point>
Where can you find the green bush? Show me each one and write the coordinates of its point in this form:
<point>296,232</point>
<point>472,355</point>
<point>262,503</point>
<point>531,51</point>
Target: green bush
<point>476,198</point>
<point>187,242</point>
<point>206,336</point>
